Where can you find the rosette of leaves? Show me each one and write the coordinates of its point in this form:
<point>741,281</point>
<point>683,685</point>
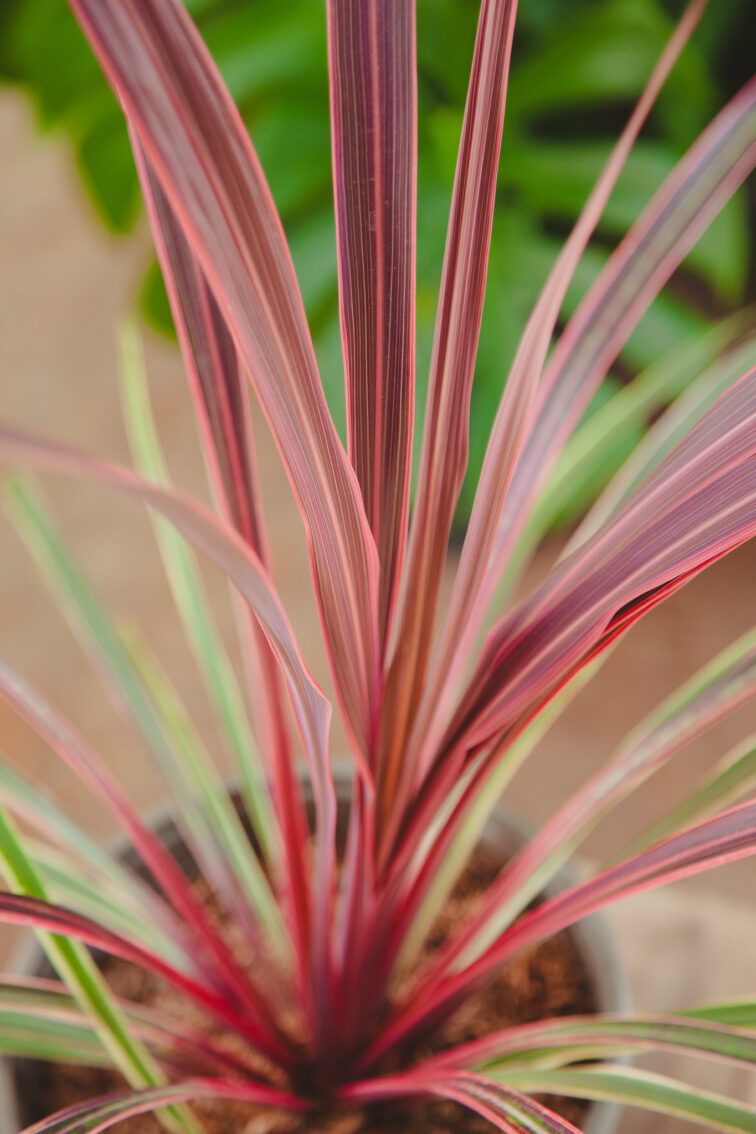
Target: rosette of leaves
<point>335,1012</point>
<point>577,69</point>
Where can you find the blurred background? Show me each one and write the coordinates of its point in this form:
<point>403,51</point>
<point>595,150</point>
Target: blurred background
<point>76,258</point>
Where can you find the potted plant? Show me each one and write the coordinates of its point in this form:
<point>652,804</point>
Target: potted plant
<point>324,963</point>
<point>558,133</point>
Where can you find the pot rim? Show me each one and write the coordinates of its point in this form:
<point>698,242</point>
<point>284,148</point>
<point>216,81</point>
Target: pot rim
<point>502,831</point>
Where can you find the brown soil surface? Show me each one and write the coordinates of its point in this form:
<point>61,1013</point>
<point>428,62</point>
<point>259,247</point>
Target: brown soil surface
<point>549,980</point>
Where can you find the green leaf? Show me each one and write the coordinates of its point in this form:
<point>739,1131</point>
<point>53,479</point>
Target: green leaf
<point>188,591</point>
<point>78,970</point>
<point>196,788</point>
<point>638,1088</point>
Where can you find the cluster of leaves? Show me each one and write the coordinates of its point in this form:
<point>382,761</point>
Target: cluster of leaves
<point>436,725</point>
<point>577,70</point>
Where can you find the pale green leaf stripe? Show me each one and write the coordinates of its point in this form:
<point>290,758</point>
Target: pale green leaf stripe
<point>41,1004</point>
<point>569,1039</point>
<point>467,837</point>
<point>221,812</point>
<point>87,615</point>
<point>668,431</point>
<point>637,1088</point>
<point>25,1032</point>
<point>640,755</point>
<point>734,1013</point>
<point>734,776</point>
<point>595,440</point>
<point>76,967</point>
<point>664,381</point>
<point>23,798</point>
<point>186,585</point>
<point>72,887</point>
<point>51,1040</point>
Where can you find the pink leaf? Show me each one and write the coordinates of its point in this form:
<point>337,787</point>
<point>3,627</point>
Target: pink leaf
<point>469,597</point>
<point>725,838</point>
<point>237,560</point>
<point>698,505</point>
<point>102,1113</point>
<point>194,140</point>
<point>444,452</point>
<point>374,131</point>
<point>220,398</point>
<point>34,913</point>
<point>692,195</point>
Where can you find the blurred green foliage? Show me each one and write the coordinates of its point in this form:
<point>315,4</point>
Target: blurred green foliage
<point>578,66</point>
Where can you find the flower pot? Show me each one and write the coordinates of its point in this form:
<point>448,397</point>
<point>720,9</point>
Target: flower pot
<point>502,836</point>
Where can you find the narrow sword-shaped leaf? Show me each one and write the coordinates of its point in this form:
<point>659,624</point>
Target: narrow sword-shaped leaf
<point>237,560</point>
<point>190,779</point>
<point>31,1038</point>
<point>26,801</point>
<point>696,507</point>
<point>186,583</point>
<point>724,838</point>
<point>692,195</point>
<point>45,916</point>
<point>665,434</point>
<point>714,167</point>
<point>639,1088</point>
<point>70,884</point>
<point>78,970</point>
<point>506,1109</point>
<point>373,85</point>
<point>196,143</point>
<point>714,692</point>
<point>514,414</point>
<point>444,450</point>
<point>189,594</point>
<point>223,821</point>
<point>734,776</point>
<point>457,832</point>
<point>597,440</point>
<point>735,1013</point>
<point>702,1037</point>
<point>225,977</point>
<point>100,1114</point>
<point>218,387</point>
<point>717,690</point>
<point>47,1000</point>
<point>221,544</point>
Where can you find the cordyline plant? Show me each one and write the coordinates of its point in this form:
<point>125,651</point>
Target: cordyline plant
<point>331,1015</point>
